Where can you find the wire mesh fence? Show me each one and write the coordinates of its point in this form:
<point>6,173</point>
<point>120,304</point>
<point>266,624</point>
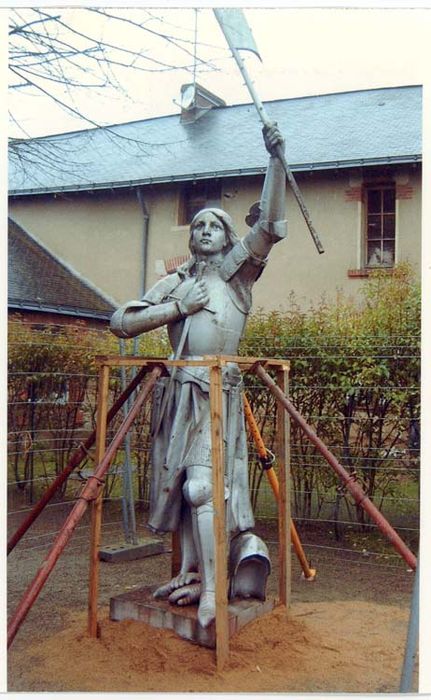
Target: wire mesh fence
<point>374,431</point>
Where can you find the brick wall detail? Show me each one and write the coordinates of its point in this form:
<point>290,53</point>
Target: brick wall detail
<point>353,194</point>
<point>404,191</point>
<point>171,264</point>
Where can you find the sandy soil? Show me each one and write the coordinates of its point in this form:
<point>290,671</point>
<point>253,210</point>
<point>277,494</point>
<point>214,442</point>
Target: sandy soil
<point>345,632</point>
<point>317,647</point>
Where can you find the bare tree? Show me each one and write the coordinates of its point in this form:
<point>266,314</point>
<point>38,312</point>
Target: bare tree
<point>68,55</point>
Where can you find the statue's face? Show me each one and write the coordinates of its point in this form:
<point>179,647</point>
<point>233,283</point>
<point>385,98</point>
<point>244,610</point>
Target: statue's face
<point>208,234</point>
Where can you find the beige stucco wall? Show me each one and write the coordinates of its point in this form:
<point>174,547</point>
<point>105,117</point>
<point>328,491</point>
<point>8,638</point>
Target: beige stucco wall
<point>101,235</point>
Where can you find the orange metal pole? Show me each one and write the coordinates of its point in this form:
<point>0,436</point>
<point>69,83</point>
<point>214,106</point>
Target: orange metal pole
<point>308,573</point>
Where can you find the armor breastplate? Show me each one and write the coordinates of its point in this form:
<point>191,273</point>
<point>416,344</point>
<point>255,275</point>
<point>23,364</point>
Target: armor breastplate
<point>215,329</point>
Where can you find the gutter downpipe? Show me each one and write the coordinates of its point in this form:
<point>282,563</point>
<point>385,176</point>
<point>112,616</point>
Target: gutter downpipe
<point>146,218</point>
<point>128,499</point>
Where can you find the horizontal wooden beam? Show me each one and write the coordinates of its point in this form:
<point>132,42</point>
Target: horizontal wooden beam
<point>245,363</point>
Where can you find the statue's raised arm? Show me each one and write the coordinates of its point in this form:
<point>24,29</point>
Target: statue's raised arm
<point>267,217</point>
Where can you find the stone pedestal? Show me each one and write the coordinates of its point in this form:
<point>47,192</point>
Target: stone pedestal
<point>140,605</point>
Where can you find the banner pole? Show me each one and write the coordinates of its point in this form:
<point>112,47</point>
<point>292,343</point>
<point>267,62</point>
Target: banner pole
<point>266,122</point>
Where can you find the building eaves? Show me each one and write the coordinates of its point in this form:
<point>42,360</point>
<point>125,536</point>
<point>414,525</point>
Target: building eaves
<point>339,130</point>
<point>239,172</point>
<point>22,305</point>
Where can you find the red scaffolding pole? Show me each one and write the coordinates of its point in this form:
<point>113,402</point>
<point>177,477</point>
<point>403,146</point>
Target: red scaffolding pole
<point>88,494</point>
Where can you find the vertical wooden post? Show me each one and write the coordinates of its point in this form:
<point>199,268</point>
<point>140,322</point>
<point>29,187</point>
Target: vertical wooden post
<point>96,506</point>
<point>216,410</point>
<point>283,460</point>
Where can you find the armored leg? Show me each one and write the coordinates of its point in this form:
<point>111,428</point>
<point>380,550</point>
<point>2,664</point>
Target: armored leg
<point>198,493</point>
<point>189,555</point>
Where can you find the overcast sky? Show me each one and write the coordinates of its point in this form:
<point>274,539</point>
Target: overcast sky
<point>304,51</point>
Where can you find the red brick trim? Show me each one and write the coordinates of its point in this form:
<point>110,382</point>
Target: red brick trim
<point>358,273</point>
<point>353,194</point>
<point>404,192</point>
<point>171,264</point>
<point>366,272</point>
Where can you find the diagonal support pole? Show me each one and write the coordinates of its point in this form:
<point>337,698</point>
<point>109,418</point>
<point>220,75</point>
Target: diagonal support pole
<point>308,572</point>
<point>88,494</point>
<point>74,462</point>
<point>357,492</point>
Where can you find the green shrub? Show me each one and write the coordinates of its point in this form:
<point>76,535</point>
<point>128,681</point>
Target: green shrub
<point>355,378</point>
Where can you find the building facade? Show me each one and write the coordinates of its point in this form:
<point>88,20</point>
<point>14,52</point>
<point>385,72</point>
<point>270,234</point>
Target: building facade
<point>119,212</point>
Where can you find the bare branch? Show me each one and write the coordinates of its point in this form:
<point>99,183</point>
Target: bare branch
<point>50,55</point>
<point>21,28</point>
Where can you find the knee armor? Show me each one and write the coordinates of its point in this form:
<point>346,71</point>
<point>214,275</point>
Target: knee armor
<point>198,492</point>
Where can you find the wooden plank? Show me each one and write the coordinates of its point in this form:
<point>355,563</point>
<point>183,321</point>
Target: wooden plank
<point>245,363</point>
<point>132,361</point>
<point>96,505</point>
<point>284,515</point>
<point>216,409</point>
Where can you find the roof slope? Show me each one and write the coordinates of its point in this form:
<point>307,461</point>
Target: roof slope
<point>326,131</point>
<point>38,281</point>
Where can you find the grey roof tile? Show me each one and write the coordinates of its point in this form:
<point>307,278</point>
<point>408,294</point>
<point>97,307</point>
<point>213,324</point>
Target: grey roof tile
<point>37,280</point>
<point>340,129</point>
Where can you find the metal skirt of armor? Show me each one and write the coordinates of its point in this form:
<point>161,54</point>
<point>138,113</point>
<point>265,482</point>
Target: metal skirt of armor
<point>184,440</point>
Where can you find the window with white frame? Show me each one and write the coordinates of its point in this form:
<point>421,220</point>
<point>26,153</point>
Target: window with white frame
<point>380,225</point>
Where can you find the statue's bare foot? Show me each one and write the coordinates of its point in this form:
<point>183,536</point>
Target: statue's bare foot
<point>177,582</point>
<point>187,595</point>
<point>206,610</point>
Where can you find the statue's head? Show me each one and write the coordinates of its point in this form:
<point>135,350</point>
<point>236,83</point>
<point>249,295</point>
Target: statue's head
<point>231,236</point>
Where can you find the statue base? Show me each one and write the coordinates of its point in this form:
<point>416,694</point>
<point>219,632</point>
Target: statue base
<point>140,605</point>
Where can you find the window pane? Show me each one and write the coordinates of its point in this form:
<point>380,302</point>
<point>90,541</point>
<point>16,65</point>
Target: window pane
<point>389,226</point>
<point>389,200</point>
<point>374,201</point>
<point>388,252</point>
<point>374,225</point>
<point>374,254</point>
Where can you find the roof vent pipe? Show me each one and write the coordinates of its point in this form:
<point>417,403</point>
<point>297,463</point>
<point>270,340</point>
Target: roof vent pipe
<point>197,101</point>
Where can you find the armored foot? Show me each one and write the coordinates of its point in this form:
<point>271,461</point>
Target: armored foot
<point>174,584</point>
<point>186,595</point>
